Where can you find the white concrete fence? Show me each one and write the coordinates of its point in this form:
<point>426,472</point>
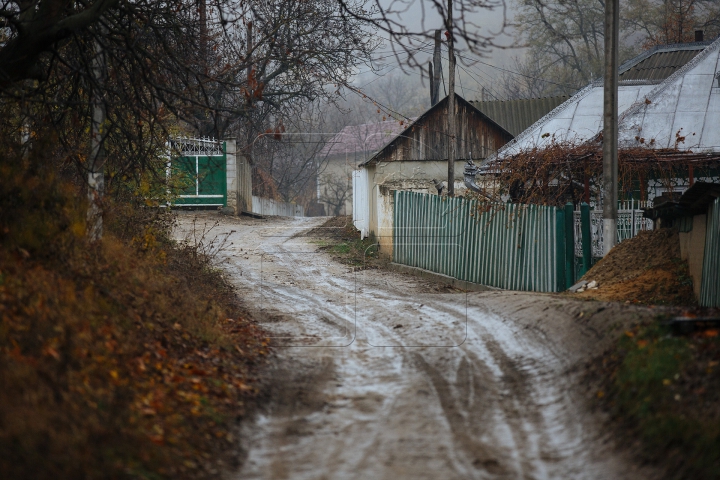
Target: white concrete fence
<point>266,206</point>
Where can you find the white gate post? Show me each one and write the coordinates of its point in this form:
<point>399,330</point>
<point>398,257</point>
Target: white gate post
<point>231,175</point>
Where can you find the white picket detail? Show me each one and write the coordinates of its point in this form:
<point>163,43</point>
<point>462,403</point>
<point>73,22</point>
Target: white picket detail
<point>630,221</point>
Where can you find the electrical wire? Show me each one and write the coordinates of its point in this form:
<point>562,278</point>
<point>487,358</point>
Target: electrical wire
<point>498,68</point>
<point>460,81</point>
<point>478,81</point>
<point>518,73</point>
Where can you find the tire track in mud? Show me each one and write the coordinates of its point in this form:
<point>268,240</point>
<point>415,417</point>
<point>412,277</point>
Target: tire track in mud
<point>483,396</point>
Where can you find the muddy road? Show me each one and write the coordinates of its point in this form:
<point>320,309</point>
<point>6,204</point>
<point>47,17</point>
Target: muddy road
<point>380,376</point>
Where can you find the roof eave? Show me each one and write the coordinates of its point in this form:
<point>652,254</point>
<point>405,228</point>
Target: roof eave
<point>423,115</point>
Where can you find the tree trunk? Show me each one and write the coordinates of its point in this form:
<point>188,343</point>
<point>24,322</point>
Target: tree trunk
<point>96,177</point>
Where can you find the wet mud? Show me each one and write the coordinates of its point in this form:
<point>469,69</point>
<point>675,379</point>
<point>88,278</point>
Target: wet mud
<point>374,377</point>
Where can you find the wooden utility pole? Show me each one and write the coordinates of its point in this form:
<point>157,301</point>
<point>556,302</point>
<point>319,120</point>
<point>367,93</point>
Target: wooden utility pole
<point>436,70</point>
<point>452,141</point>
<point>610,125</point>
<point>96,164</point>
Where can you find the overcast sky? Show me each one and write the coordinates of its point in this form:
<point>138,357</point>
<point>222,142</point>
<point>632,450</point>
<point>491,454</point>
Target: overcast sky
<point>421,16</point>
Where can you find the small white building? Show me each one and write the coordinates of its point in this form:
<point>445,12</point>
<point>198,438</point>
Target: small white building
<point>417,158</point>
<point>351,146</point>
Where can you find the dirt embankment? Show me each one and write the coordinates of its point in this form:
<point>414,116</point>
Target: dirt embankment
<point>122,358</point>
<point>660,389</point>
<point>646,269</point>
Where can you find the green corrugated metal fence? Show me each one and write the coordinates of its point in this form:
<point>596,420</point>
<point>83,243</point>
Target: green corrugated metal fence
<point>517,247</point>
<point>710,287</point>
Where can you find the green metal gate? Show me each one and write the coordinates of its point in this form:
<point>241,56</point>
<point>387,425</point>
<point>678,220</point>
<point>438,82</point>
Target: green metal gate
<point>201,166</point>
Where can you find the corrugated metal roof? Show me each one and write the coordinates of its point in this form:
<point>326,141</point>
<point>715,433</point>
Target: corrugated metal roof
<point>577,120</point>
<point>517,115</point>
<point>656,111</point>
<point>660,62</point>
<point>682,112</point>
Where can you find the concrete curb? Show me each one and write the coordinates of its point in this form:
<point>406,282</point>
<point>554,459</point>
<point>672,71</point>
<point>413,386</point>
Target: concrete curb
<point>440,278</point>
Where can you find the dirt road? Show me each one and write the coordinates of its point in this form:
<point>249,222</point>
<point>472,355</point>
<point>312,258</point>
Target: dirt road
<point>380,377</point>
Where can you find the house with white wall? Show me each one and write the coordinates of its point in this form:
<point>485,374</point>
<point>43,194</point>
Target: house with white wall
<point>416,159</point>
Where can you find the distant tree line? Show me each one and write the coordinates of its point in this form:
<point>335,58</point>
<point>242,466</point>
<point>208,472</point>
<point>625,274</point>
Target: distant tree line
<point>564,39</point>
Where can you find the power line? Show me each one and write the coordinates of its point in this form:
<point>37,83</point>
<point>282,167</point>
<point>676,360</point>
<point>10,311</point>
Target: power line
<point>488,88</point>
<point>518,73</point>
<point>461,86</point>
<point>478,81</point>
<point>513,72</point>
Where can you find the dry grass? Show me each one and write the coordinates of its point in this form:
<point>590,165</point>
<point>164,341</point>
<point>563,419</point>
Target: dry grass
<point>122,359</point>
<point>664,390</point>
<point>339,237</point>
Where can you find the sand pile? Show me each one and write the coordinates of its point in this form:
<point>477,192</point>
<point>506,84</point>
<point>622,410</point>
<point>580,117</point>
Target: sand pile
<point>645,269</point>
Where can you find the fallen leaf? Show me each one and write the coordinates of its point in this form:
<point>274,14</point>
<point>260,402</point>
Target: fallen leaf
<point>52,352</point>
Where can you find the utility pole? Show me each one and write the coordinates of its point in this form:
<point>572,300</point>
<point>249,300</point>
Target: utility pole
<point>96,177</point>
<point>451,103</point>
<point>610,126</point>
<point>436,70</point>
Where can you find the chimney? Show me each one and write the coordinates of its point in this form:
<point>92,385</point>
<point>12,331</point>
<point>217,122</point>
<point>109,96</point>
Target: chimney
<point>698,35</point>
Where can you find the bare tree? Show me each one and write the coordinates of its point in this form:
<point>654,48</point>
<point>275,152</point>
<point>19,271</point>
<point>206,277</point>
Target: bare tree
<point>217,67</point>
<point>565,38</point>
<point>336,191</point>
<point>525,79</point>
<point>209,67</point>
<point>671,21</point>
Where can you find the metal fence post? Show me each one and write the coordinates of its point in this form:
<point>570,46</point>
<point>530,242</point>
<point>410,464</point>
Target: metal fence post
<point>561,239</point>
<point>586,238</point>
<point>569,245</point>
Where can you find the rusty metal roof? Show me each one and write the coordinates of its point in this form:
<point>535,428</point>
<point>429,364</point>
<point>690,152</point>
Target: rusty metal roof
<point>517,115</point>
<point>660,62</point>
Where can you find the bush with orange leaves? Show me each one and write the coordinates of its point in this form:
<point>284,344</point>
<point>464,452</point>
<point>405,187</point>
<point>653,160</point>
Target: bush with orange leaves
<point>124,358</point>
